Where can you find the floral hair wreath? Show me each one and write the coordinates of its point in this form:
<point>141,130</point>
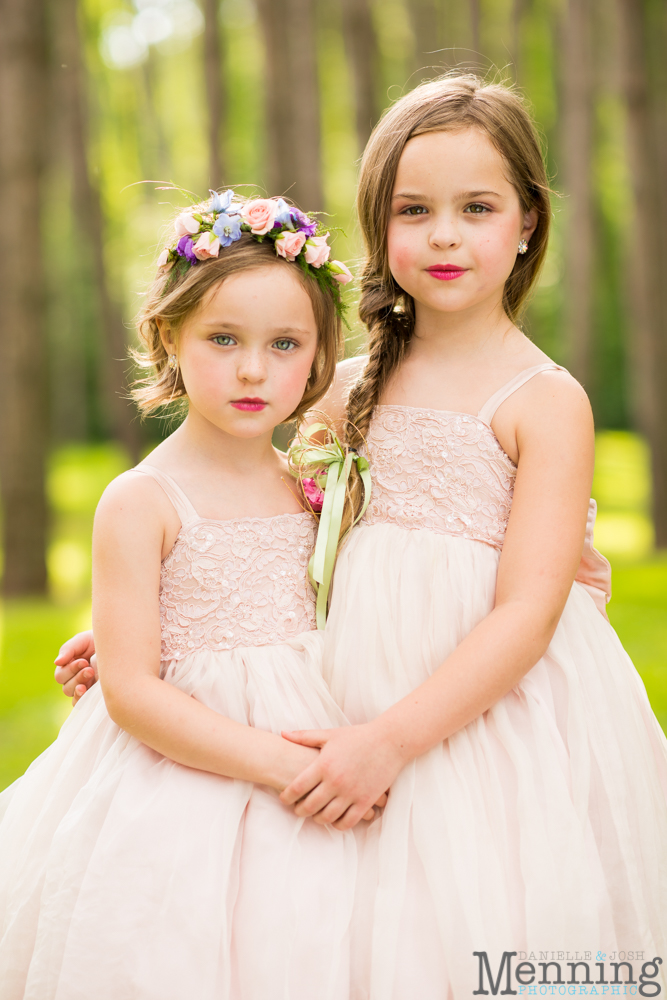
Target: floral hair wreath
<point>206,229</point>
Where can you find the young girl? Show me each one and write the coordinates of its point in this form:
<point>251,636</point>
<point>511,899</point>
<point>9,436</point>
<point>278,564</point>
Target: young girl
<point>146,854</point>
<point>528,775</point>
<point>528,803</point>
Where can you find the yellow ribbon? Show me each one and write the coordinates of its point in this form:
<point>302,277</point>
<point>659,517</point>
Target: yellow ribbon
<point>338,462</point>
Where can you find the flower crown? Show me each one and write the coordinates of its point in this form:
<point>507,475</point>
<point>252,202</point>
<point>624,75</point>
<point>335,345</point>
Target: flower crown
<point>201,233</point>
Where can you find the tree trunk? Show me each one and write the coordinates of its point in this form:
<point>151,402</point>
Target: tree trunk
<point>215,97</point>
<point>23,436</point>
<point>576,143</point>
<point>648,258</point>
<point>475,34</point>
<point>424,19</point>
<point>362,53</point>
<point>88,212</point>
<point>293,101</point>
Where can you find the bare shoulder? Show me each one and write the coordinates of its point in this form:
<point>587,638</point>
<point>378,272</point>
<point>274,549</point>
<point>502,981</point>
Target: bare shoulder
<point>347,372</point>
<point>134,498</point>
<point>551,411</point>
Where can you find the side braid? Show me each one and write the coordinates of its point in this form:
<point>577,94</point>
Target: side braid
<point>389,332</point>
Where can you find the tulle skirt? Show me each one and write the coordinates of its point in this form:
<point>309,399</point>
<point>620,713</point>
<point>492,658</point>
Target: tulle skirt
<point>125,876</point>
<point>540,827</point>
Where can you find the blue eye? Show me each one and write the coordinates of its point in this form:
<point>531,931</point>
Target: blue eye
<point>223,339</point>
<point>284,344</point>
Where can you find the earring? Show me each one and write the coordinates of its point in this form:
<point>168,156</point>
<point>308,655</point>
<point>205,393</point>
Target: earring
<point>523,246</point>
<point>173,362</point>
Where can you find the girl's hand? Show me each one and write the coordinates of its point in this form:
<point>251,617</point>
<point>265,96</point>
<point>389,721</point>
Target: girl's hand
<point>76,665</point>
<point>353,771</point>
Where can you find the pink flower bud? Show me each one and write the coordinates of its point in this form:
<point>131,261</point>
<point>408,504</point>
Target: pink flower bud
<point>317,251</point>
<point>186,225</point>
<point>206,246</point>
<point>289,245</point>
<point>340,272</point>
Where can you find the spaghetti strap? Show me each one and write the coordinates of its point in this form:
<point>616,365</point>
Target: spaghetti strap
<point>182,505</point>
<point>488,411</point>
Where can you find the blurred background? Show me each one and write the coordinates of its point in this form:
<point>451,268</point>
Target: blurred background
<point>97,96</point>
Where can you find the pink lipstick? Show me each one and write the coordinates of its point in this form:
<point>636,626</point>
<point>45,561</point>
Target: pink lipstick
<point>253,404</point>
<point>446,272</point>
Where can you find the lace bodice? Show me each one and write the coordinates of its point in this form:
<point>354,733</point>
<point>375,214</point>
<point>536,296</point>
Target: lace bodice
<point>241,582</point>
<point>439,470</point>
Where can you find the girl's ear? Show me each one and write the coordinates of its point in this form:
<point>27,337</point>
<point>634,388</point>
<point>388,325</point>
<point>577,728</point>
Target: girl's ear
<point>529,224</point>
<point>166,336</point>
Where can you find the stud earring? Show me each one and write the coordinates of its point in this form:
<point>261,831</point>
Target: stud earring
<point>523,246</point>
<point>173,362</point>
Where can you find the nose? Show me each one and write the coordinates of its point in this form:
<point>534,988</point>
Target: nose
<point>444,231</point>
<point>251,367</point>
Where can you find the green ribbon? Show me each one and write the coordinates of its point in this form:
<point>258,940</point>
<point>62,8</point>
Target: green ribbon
<point>338,462</point>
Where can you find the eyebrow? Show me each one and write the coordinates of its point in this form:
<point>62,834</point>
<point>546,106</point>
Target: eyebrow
<point>461,196</point>
<point>226,325</point>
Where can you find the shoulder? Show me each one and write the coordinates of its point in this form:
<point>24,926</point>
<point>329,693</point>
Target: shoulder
<point>134,498</point>
<point>335,401</point>
<point>551,411</point>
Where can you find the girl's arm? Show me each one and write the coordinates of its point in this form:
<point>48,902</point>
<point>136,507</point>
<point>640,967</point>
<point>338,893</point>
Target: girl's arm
<point>554,437</point>
<point>128,542</point>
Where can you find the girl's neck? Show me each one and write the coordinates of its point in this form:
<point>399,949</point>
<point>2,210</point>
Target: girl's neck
<point>457,337</point>
<point>203,442</point>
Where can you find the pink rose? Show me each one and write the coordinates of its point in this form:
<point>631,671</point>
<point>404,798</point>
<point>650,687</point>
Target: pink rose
<point>208,245</point>
<point>289,245</point>
<point>317,251</point>
<point>313,494</point>
<point>260,215</point>
<point>340,272</point>
<point>163,259</point>
<point>186,225</point>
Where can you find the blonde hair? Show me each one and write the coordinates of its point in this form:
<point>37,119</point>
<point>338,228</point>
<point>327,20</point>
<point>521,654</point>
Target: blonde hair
<point>176,294</point>
<point>448,104</point>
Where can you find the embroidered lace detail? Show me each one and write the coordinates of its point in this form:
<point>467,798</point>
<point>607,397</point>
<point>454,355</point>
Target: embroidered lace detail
<point>439,470</point>
<point>237,583</point>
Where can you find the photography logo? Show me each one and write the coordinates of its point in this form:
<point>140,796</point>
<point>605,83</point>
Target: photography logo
<point>563,973</point>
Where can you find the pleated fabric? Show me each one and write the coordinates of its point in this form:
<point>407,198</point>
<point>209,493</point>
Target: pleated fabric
<point>126,876</point>
<point>542,825</point>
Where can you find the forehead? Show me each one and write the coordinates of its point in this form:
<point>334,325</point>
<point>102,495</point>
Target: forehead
<point>463,160</point>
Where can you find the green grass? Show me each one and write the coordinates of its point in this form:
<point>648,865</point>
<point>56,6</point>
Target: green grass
<point>32,707</point>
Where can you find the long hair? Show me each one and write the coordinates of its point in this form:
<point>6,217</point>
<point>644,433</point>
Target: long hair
<point>449,104</point>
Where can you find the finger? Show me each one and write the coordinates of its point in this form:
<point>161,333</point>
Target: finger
<point>85,678</point>
<point>382,801</point>
<point>333,811</point>
<point>79,692</point>
<point>70,670</point>
<point>307,737</point>
<point>302,784</point>
<point>350,819</point>
<point>369,816</point>
<point>80,645</point>
<point>316,801</point>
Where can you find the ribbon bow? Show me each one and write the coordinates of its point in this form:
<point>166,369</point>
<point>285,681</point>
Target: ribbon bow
<point>337,460</point>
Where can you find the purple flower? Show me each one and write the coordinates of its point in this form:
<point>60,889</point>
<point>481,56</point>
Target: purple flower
<point>283,215</point>
<point>228,229</point>
<point>184,248</point>
<point>303,222</point>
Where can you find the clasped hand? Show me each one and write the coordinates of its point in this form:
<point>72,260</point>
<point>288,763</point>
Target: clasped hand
<point>352,773</point>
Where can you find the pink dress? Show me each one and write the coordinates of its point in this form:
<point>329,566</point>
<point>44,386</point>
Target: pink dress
<point>542,825</point>
<point>125,876</point>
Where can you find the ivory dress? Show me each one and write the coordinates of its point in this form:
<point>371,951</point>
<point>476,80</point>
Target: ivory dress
<point>126,876</point>
<point>543,823</point>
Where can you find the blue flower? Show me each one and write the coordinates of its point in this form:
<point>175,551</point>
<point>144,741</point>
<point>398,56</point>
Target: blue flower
<point>283,214</point>
<point>220,202</point>
<point>228,229</point>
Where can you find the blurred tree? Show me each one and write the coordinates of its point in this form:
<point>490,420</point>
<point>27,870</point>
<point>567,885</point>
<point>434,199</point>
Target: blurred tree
<point>424,19</point>
<point>644,37</point>
<point>215,97</point>
<point>90,222</point>
<point>23,404</point>
<point>576,155</point>
<point>362,53</point>
<point>292,101</point>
